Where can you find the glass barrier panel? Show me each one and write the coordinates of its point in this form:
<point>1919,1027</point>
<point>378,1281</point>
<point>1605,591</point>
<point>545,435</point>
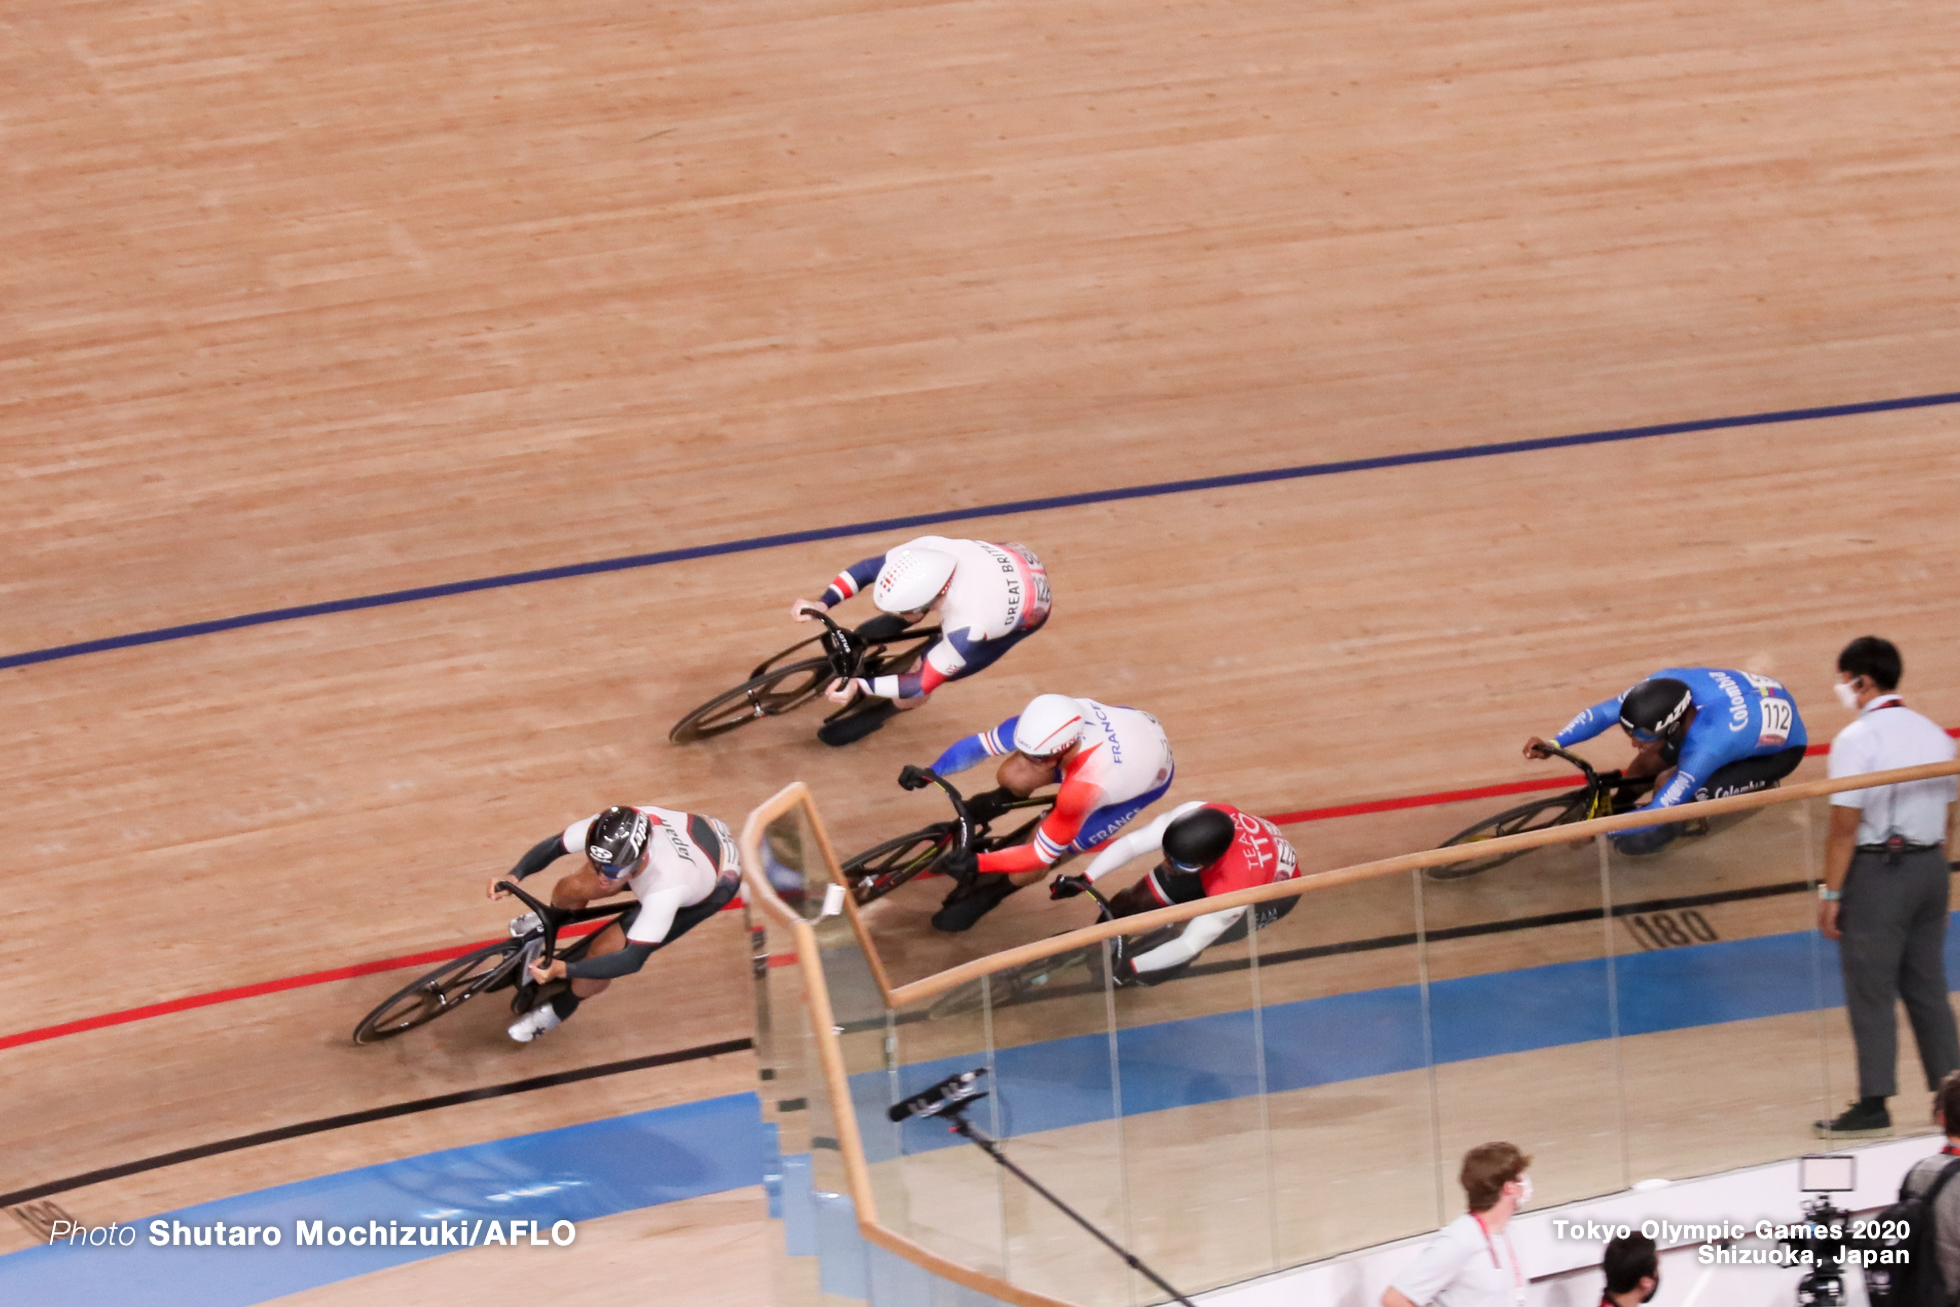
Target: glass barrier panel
<point>785,1059</point>
<point>1340,1034</point>
<point>1057,1105</point>
<point>793,1098</point>
<point>1521,1008</point>
<point>1191,1078</point>
<point>932,1186</point>
<point>1722,986</point>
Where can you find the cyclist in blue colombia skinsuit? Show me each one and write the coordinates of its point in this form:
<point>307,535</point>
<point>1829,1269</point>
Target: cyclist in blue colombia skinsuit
<point>1701,732</point>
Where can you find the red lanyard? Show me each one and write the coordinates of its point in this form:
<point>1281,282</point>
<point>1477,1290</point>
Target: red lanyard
<point>1517,1272</point>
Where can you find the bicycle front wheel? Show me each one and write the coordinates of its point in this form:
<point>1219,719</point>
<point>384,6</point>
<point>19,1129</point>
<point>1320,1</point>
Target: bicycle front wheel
<point>445,989</point>
<point>1539,814</point>
<point>882,868</point>
<point>776,691</point>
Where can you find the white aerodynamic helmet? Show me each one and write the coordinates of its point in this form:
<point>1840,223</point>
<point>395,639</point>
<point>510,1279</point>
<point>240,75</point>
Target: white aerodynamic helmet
<point>1048,726</point>
<point>911,578</point>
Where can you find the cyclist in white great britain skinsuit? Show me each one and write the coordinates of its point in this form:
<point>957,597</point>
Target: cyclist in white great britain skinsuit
<point>989,598</point>
<point>683,867</point>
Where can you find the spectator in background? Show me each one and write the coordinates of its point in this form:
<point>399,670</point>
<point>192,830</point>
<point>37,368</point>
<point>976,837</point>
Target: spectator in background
<point>1886,884</point>
<point>1925,1174</point>
<point>1470,1262</point>
<point>1633,1271</point>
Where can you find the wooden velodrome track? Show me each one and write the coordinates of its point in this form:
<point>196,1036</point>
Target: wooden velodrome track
<point>305,302</point>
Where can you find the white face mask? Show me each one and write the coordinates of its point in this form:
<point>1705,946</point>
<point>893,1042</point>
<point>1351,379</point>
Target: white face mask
<point>1524,1189</point>
<point>1847,695</point>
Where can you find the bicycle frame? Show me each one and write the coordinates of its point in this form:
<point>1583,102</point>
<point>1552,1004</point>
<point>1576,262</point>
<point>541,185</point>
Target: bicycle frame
<point>846,649</point>
<point>551,920</point>
<point>1599,793</point>
<point>967,828</point>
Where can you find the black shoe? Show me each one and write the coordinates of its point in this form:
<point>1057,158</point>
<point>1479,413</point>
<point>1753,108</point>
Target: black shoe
<point>963,907</point>
<point>855,726</point>
<point>1855,1122</point>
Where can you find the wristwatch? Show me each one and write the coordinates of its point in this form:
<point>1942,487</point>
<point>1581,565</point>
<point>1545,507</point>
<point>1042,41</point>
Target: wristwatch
<point>1827,894</point>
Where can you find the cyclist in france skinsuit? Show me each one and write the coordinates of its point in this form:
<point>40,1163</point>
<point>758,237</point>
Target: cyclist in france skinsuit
<point>1209,849</point>
<point>989,598</point>
<point>682,866</point>
<point>1701,732</point>
<point>1112,763</point>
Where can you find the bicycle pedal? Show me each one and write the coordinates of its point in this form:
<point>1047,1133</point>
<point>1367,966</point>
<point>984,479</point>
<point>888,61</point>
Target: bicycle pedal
<point>524,925</point>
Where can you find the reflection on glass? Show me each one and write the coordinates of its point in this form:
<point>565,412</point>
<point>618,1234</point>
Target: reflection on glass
<point>1721,1054</point>
<point>1195,1158</point>
<point>1347,1086</point>
<point>1521,1019</point>
<point>933,1187</point>
<point>1057,1096</point>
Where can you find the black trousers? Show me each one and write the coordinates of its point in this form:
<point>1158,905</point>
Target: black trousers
<point>1894,922</point>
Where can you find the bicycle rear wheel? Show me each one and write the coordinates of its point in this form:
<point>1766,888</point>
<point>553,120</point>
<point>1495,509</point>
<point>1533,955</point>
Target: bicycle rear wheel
<point>776,691</point>
<point>1028,980</point>
<point>445,989</point>
<point>1539,814</point>
<point>884,867</point>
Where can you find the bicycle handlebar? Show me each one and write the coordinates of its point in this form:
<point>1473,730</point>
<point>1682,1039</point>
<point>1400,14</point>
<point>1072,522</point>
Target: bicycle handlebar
<point>547,918</point>
<point>917,778</point>
<point>1553,751</point>
<point>844,648</point>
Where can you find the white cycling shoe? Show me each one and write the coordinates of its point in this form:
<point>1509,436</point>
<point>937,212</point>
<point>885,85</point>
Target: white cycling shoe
<point>534,1023</point>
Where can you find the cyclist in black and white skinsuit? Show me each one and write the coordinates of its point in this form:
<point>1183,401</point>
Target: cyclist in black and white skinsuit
<point>681,865</point>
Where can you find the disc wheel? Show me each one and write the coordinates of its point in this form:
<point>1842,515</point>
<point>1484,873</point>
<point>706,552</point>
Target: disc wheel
<point>884,867</point>
<point>1540,814</point>
<point>774,692</point>
<point>445,989</point>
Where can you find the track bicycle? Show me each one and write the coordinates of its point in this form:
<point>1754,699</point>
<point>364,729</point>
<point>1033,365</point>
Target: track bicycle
<point>882,868</point>
<point>1601,794</point>
<point>504,964</point>
<point>779,684</point>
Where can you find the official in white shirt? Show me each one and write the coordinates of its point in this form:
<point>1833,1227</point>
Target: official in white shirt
<point>1886,885</point>
<point>1470,1262</point>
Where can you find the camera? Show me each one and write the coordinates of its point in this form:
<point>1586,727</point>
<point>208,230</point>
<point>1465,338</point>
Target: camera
<point>1823,1239</point>
<point>950,1096</point>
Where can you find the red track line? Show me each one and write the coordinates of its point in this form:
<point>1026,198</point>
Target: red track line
<point>1459,796</point>
<point>443,954</point>
<point>252,991</point>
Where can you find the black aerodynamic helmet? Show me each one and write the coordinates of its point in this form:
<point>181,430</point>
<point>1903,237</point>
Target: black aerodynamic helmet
<point>1653,709</point>
<point>1198,838</point>
<point>616,839</point>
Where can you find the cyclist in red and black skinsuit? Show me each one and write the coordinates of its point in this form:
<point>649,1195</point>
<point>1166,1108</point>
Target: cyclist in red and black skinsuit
<point>1209,849</point>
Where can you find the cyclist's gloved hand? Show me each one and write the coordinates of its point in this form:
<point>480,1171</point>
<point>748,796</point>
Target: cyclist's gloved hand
<point>1067,887</point>
<point>912,778</point>
<point>962,867</point>
<point>990,804</point>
